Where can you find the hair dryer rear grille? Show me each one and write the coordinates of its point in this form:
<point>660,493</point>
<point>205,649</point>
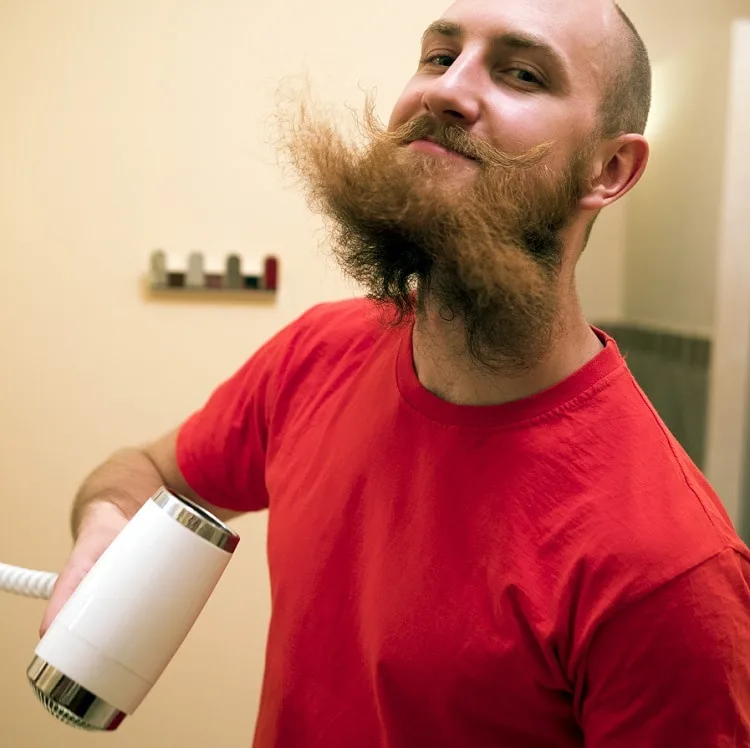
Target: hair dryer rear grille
<point>69,702</point>
<point>63,714</point>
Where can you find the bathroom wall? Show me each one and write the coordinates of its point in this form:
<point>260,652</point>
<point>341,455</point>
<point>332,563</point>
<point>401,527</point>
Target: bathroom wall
<point>728,435</point>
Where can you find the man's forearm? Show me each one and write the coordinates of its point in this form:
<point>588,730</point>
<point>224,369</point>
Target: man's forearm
<point>127,480</point>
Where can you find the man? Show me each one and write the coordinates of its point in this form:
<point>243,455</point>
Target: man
<point>480,533</point>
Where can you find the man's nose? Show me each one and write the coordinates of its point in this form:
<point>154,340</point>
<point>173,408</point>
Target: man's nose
<point>453,96</point>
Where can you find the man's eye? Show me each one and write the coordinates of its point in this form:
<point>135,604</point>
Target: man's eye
<point>526,76</point>
<point>443,61</point>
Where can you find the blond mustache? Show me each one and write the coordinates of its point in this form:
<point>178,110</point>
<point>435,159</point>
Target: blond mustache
<point>455,138</point>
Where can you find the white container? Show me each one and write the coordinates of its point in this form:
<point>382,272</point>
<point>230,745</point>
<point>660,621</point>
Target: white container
<point>118,631</point>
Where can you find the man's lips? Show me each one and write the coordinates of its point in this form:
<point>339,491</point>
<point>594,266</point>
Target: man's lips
<point>429,146</point>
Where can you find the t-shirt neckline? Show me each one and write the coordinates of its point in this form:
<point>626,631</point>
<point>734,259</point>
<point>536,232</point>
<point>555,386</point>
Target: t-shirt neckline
<point>585,380</point>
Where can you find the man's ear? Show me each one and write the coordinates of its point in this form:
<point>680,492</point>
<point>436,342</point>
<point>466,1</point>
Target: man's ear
<point>618,168</point>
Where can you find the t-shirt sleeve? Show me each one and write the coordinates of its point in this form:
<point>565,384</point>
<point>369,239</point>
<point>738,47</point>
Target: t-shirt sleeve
<point>221,447</point>
<point>674,668</point>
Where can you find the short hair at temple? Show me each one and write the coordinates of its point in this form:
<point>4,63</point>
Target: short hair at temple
<point>626,101</point>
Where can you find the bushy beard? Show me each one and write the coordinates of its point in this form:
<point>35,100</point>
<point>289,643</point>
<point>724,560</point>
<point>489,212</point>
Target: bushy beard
<point>484,247</point>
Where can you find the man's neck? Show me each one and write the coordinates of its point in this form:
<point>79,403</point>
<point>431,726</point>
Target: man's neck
<point>445,368</point>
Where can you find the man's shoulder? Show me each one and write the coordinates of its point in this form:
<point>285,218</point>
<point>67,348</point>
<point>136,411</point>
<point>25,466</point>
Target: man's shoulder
<point>657,521</point>
<point>355,313</point>
<point>332,334</point>
<point>640,511</point>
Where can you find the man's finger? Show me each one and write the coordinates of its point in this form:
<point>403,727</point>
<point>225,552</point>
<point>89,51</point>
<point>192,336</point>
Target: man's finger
<point>64,587</point>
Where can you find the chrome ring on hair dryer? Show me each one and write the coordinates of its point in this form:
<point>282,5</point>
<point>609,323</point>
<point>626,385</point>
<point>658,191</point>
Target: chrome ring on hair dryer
<point>113,638</point>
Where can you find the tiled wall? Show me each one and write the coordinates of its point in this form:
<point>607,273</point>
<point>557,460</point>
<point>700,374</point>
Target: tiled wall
<point>673,371</point>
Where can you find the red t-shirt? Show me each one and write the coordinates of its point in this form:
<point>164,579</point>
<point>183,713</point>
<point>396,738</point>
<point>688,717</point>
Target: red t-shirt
<point>547,573</point>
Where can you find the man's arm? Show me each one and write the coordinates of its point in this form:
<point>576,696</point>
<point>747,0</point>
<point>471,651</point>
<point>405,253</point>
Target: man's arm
<point>131,475</point>
<point>108,498</point>
<point>674,668</point>
<point>221,453</point>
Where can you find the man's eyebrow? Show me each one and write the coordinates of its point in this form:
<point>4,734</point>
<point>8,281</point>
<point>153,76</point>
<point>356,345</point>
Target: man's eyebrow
<point>509,40</point>
<point>532,43</point>
<point>443,28</point>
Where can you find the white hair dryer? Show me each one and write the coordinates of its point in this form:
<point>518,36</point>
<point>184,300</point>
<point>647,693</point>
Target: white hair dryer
<point>116,634</point>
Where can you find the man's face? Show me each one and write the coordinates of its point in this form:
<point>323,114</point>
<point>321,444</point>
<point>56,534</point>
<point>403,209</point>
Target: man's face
<point>477,224</point>
<point>512,73</point>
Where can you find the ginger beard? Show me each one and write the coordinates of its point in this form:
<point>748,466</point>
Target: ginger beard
<point>479,240</point>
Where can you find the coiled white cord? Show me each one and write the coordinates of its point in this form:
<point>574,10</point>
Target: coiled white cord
<point>27,582</point>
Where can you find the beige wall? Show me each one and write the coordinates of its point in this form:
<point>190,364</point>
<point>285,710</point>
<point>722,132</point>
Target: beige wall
<point>674,217</point>
<point>133,125</point>
<point>729,437</point>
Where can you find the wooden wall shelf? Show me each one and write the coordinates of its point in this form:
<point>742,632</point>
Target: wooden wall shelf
<point>194,282</point>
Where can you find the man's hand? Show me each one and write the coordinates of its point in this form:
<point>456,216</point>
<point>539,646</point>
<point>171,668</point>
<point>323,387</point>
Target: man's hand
<point>101,525</point>
<point>109,496</point>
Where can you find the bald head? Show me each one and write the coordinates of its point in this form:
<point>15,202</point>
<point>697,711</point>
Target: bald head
<point>626,99</point>
<point>596,37</point>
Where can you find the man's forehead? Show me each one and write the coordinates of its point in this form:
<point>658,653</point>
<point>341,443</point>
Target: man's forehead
<point>581,31</point>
